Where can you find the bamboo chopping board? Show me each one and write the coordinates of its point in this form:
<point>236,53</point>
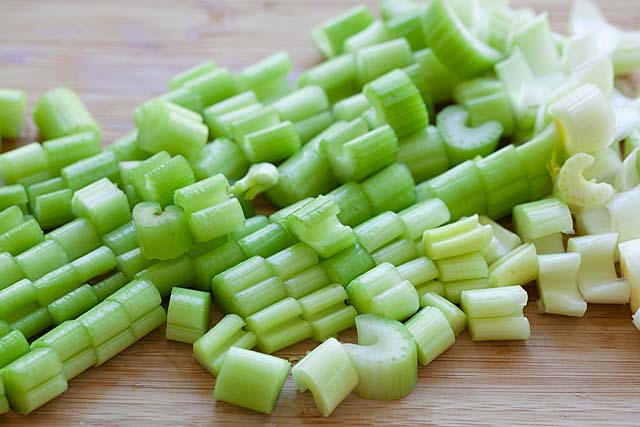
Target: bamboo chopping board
<point>119,53</point>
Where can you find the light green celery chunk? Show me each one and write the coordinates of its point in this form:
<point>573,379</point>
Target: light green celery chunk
<point>499,328</point>
<point>211,349</point>
<point>396,253</point>
<point>618,213</point>
<point>317,225</point>
<point>326,311</point>
<point>503,241</point>
<point>212,86</point>
<point>12,111</point>
<point>518,267</point>
<point>13,196</point>
<point>385,358</point>
<point>330,35</point>
<point>458,238</point>
<point>597,267</point>
<point>102,203</point>
<point>251,380</point>
<point>578,192</point>
<point>150,321</point>
<point>252,122</point>
<point>375,33</point>
<point>212,113</point>
<point>293,260</point>
<point>608,165</point>
<point>432,333</point>
<point>138,298</point>
<point>217,220</point>
<point>383,291</point>
<point>115,345</point>
<point>33,323</point>
<point>410,27</point>
<point>77,238</point>
<point>53,209</point>
<point>132,262</point>
<point>67,150</point>
<point>535,42</point>
<point>376,60</point>
<point>476,88</point>
<point>60,112</point>
<point>41,259</point>
<point>10,217</point>
<point>188,315</point>
<point>267,241</point>
<point>189,74</point>
<point>44,187</point>
<point>302,104</point>
<point>453,290</point>
<point>424,153</point>
<point>161,182</point>
<point>104,322</point>
<point>108,286</point>
<point>33,380</point>
<point>22,237</point>
<point>337,77</point>
<point>424,215</point>
<point>350,108</point>
<point>494,302</point>
<point>203,194</point>
<point>91,169</point>
<point>418,271</point>
<point>23,162</point>
<point>268,77</point>
<point>306,282</point>
<point>353,202</point>
<point>16,298</point>
<point>309,128</point>
<point>126,148</point>
<point>122,239</point>
<point>12,346</point>
<point>279,325</point>
<point>328,373</point>
<point>73,304</point>
<point>271,143</point>
<point>391,189</point>
<point>379,231</point>
<point>551,244</point>
<point>162,234</point>
<point>94,264</point>
<point>432,286</point>
<point>558,285</point>
<point>215,261</point>
<point>137,174</point>
<point>348,264</point>
<point>535,220</point>
<point>260,178</point>
<point>630,267</point>
<point>10,270</point>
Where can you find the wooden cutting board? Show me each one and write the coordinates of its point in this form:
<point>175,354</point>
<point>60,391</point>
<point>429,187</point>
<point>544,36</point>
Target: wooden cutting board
<point>118,53</point>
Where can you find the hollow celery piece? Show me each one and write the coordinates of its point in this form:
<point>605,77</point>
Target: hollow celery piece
<point>385,358</point>
<point>459,238</point>
<point>188,315</point>
<point>391,189</point>
<point>12,111</point>
<point>72,304</point>
<point>378,59</point>
<point>211,349</point>
<point>503,241</point>
<point>396,100</point>
<point>60,112</point>
<point>317,225</point>
<point>164,129</point>
<point>424,153</point>
<point>558,285</point>
<point>260,178</point>
<point>337,77</point>
<point>11,272</point>
<point>597,266</point>
<point>456,317</point>
<point>122,239</point>
<point>432,333</point>
<point>293,260</point>
<point>22,237</point>
<point>458,49</point>
<point>167,274</point>
<point>453,290</point>
<point>518,267</point>
<point>345,266</point>
<point>418,271</point>
<point>41,259</point>
<point>251,380</point>
<point>629,256</point>
<point>279,325</point>
<point>161,182</point>
<point>271,144</point>
<point>463,142</point>
<point>24,162</point>
<point>330,35</point>
<point>328,373</point>
<point>162,234</point>
<point>102,203</point>
<point>217,220</point>
<point>108,286</point>
<point>326,311</point>
<point>67,150</point>
<point>494,302</point>
<point>350,108</point>
<point>77,238</point>
<point>12,346</point>
<point>535,220</point>
<point>383,291</point>
<point>353,202</point>
<point>33,380</point>
<point>379,231</point>
<point>396,253</point>
<point>306,282</point>
<point>574,189</point>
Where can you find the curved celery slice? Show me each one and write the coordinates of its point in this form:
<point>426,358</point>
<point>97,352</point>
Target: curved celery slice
<point>628,175</point>
<point>558,285</point>
<point>518,267</point>
<point>385,358</point>
<point>621,222</point>
<point>456,47</point>
<point>463,142</point>
<point>259,178</point>
<point>575,190</point>
<point>432,333</point>
<point>606,166</point>
<point>164,234</point>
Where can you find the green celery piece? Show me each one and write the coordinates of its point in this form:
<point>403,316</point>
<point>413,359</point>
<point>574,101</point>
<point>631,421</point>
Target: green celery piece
<point>122,239</point>
<point>67,150</point>
<point>350,108</point>
<point>542,218</point>
<point>378,59</point>
<point>108,286</point>
<point>94,264</point>
<point>424,153</point>
<point>308,281</point>
<point>77,238</point>
<point>191,73</point>
<point>215,221</point>
<point>13,196</point>
<point>458,238</point>
<point>150,321</point>
<point>22,237</point>
<point>293,260</point>
<point>162,235</point>
<point>188,315</point>
<point>432,333</point>
<point>268,77</point>
<point>499,328</point>
<point>375,33</point>
<point>424,215</point>
<point>91,169</point>
<point>138,298</point>
<point>114,346</point>
<point>12,112</point>
<point>355,207</point>
<point>20,295</point>
<point>462,267</point>
<point>102,203</point>
<point>104,322</point>
<point>330,35</point>
<point>260,178</point>
<point>326,311</point>
<point>41,259</point>
<point>60,112</point>
<point>166,274</point>
<point>24,162</point>
<point>216,261</point>
<point>33,323</point>
<point>271,144</point>
<point>44,187</point>
<point>385,358</point>
<point>127,149</point>
<point>73,304</point>
<point>396,253</point>
<point>10,218</point>
<point>494,302</point>
<point>345,266</point>
<point>54,209</point>
<point>457,318</point>
<point>302,104</point>
<point>558,285</point>
<point>203,194</point>
<point>12,346</point>
<point>10,270</point>
<point>337,76</point>
<point>391,189</point>
<point>418,271</point>
<point>379,231</point>
<point>518,267</point>
<point>132,262</point>
<point>503,241</point>
<point>161,182</point>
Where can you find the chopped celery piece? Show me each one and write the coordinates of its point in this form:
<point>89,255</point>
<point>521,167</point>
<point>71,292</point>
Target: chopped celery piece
<point>597,267</point>
<point>260,178</point>
<point>203,194</point>
<point>345,266</point>
<point>69,149</point>
<point>41,259</point>
<point>188,315</point>
<point>337,77</point>
<point>216,261</point>
<point>73,304</point>
<point>268,77</point>
<point>77,238</point>
<point>94,264</point>
<point>211,348</point>
<point>535,42</point>
<point>10,270</point>
<point>12,111</point>
<point>293,260</point>
<point>114,346</point>
<point>167,274</point>
<point>267,241</point>
<point>33,323</point>
<point>373,34</point>
<point>212,86</point>
<point>328,373</point>
<point>13,195</point>
<point>20,296</point>
<point>122,239</point>
<point>410,27</point>
<point>86,171</point>
<point>137,173</point>
<point>424,215</point>
<point>630,267</point>
<point>126,148</point>
<point>350,108</point>
<point>503,241</point>
<point>378,59</point>
<point>390,189</point>
<point>10,218</point>
<point>330,35</point>
<point>494,302</point>
<point>217,220</point>
<point>251,380</point>
<point>618,214</point>
<point>432,333</point>
<point>499,328</point>
<point>379,231</point>
<point>418,271</point>
<point>517,267</point>
<point>214,112</point>
<point>593,221</point>
<point>396,253</point>
<point>54,209</point>
<point>108,286</point>
<point>191,73</point>
<point>453,290</point>
<point>575,189</point>
<point>161,182</point>
<point>162,234</point>
<point>24,162</point>
<point>385,358</point>
<point>22,237</point>
<point>326,311</point>
<point>44,187</point>
<point>558,285</point>
<point>60,112</point>
<point>271,144</point>
<point>310,127</point>
<point>458,238</point>
<point>424,153</point>
<point>551,244</point>
<point>12,346</point>
<point>102,203</point>
<point>138,298</point>
<point>463,142</point>
<point>150,321</point>
<point>456,317</point>
<point>306,282</point>
<point>353,202</point>
<point>302,104</point>
<point>535,220</point>
<point>252,122</point>
<point>104,322</point>
<point>383,291</point>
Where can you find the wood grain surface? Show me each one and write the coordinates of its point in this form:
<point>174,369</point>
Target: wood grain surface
<point>118,53</point>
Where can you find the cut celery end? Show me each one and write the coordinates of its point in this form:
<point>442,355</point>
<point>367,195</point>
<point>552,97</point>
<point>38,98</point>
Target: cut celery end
<point>418,271</point>
<point>289,333</point>
<point>104,322</point>
<point>454,290</point>
<point>330,35</point>
<point>518,267</point>
<point>575,190</point>
<point>11,271</point>
<point>493,302</point>
<point>618,208</point>
<point>458,238</point>
<point>215,221</point>
<point>499,328</point>
<point>551,244</point>
<point>293,260</point>
<point>138,298</point>
<point>457,318</point>
<point>328,373</point>
<point>462,267</point>
<point>558,285</point>
<point>434,286</point>
<point>503,241</point>
<point>41,259</point>
<point>67,339</point>
<point>432,332</point>
<point>396,253</point>
<point>12,346</point>
<point>539,219</point>
<point>188,315</point>
<point>162,235</point>
<point>251,380</point>
<point>424,215</point>
<point>114,346</point>
<point>597,265</point>
<point>385,358</point>
<point>308,281</point>
<point>20,295</point>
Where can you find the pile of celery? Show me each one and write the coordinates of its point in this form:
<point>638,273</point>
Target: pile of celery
<point>391,162</point>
